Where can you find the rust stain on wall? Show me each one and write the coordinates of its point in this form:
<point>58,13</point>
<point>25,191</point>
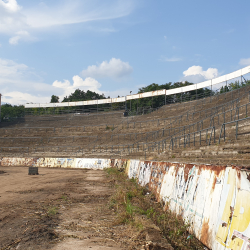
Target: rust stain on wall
<point>157,175</point>
<point>205,233</point>
<point>187,169</point>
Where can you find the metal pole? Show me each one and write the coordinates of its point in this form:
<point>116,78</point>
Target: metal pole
<point>236,130</point>
<point>224,132</point>
<point>211,91</point>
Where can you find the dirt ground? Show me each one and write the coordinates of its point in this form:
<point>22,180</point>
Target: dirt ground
<point>59,209</point>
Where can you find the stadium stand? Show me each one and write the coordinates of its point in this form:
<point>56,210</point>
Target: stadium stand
<point>204,130</point>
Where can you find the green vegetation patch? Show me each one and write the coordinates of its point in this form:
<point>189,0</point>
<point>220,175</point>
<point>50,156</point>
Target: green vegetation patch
<point>134,205</point>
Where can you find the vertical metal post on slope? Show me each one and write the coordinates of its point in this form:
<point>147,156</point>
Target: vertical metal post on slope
<point>236,133</point>
<point>211,91</point>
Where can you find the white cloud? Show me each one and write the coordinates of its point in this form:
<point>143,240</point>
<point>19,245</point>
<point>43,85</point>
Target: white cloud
<point>86,84</point>
<point>17,97</point>
<point>170,59</point>
<point>22,34</point>
<point>196,74</point>
<point>244,61</point>
<point>115,68</point>
<point>19,84</point>
<point>11,69</point>
<point>14,40</point>
<point>40,17</point>
<point>10,5</point>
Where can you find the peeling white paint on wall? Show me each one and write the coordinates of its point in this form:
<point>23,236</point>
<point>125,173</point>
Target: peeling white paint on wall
<point>144,173</point>
<point>215,200</point>
<point>133,169</point>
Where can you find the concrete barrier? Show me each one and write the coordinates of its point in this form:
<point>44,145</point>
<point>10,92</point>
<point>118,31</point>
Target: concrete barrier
<point>215,200</point>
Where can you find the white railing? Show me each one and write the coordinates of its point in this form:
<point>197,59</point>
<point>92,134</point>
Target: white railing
<point>196,86</point>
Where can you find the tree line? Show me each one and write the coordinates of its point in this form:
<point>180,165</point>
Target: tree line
<point>7,110</point>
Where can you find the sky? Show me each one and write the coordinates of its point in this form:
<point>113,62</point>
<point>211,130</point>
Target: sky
<point>116,46</point>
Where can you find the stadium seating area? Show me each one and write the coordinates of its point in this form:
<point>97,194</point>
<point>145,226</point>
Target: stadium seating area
<point>213,130</point>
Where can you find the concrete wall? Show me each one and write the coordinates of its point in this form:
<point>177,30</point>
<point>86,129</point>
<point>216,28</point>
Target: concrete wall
<point>214,199</point>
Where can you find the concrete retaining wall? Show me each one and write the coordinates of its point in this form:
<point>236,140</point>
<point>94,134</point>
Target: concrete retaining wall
<point>214,199</point>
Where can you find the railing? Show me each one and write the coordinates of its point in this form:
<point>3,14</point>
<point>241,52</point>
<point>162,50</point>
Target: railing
<point>154,134</point>
<point>223,128</point>
<point>187,138</point>
<point>150,146</point>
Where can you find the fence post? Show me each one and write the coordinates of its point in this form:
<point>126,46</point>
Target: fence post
<point>224,132</point>
<point>214,134</point>
<point>236,130</point>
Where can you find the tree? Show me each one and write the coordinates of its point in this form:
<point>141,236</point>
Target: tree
<point>80,95</point>
<point>9,111</point>
<point>54,99</point>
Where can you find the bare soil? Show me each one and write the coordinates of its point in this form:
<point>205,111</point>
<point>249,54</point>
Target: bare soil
<point>60,209</point>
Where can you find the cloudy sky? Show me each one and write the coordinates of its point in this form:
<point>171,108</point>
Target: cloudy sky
<point>116,46</point>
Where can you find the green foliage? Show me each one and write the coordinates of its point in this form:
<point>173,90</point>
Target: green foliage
<point>52,211</point>
<point>131,207</point>
<point>80,95</point>
<point>158,101</point>
<point>64,197</point>
<point>54,99</point>
<point>233,86</point>
<point>130,195</point>
<point>8,111</point>
<point>109,128</point>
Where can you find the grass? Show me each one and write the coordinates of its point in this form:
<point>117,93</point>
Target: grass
<point>134,205</point>
<point>109,128</point>
<point>52,211</point>
<point>64,197</point>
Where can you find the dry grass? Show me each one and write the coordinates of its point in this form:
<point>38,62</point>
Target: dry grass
<point>134,205</point>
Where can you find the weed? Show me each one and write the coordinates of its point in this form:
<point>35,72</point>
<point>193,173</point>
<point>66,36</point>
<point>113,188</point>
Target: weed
<point>129,209</point>
<point>139,226</point>
<point>150,212</point>
<point>173,156</point>
<point>109,128</point>
<point>64,197</point>
<point>130,195</point>
<point>112,171</point>
<point>52,211</point>
<point>132,206</point>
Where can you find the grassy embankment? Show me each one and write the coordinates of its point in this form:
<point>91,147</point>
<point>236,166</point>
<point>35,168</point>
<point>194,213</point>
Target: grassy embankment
<point>136,206</point>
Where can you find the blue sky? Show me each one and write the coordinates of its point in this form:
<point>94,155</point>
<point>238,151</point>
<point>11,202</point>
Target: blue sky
<point>116,46</point>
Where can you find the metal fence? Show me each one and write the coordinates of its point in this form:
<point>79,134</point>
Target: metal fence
<point>187,137</point>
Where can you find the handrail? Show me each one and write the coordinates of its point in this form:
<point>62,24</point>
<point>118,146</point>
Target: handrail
<point>208,83</point>
<point>223,127</point>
